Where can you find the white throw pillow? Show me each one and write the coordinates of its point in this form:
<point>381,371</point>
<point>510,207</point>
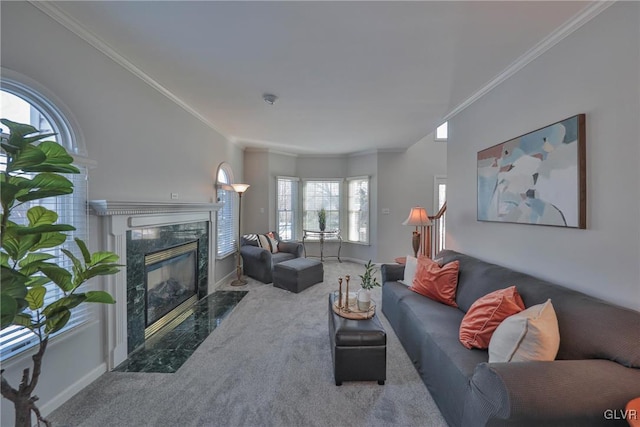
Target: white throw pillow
<point>532,334</point>
<point>268,242</point>
<point>410,266</point>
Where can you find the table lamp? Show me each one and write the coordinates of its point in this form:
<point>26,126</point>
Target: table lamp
<point>419,218</point>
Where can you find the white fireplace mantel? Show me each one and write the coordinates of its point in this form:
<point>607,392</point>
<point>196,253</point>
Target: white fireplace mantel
<point>118,217</point>
<point>110,207</point>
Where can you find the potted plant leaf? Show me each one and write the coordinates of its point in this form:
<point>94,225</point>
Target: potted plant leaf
<point>322,219</point>
<point>34,170</point>
<point>368,282</point>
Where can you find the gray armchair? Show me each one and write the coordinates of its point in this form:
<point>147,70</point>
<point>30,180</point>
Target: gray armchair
<point>258,262</point>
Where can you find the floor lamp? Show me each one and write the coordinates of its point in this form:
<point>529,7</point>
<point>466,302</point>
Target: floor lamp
<point>239,281</point>
<point>418,217</point>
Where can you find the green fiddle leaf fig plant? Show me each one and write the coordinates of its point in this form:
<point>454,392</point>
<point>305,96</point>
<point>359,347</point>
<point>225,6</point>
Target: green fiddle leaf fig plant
<point>34,168</point>
<point>369,281</point>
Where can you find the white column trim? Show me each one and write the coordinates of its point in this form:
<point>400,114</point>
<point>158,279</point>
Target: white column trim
<point>117,218</point>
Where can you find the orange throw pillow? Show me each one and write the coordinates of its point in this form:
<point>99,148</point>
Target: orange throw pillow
<point>484,316</point>
<point>435,282</point>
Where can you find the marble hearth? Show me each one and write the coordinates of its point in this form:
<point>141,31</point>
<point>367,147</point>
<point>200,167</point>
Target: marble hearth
<point>144,241</point>
<point>133,229</point>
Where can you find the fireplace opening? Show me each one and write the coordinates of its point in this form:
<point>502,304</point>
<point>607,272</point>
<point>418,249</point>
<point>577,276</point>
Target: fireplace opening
<point>171,284</point>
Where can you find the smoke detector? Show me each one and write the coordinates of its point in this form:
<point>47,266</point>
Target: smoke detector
<point>269,98</point>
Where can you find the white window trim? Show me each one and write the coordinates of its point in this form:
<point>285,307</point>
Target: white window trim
<point>341,224</point>
<point>297,215</point>
<point>226,167</point>
<point>70,136</point>
<point>52,107</point>
<point>435,133</point>
<point>346,208</point>
<point>437,180</point>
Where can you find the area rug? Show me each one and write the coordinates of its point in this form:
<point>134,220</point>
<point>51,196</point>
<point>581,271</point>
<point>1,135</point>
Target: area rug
<point>267,364</point>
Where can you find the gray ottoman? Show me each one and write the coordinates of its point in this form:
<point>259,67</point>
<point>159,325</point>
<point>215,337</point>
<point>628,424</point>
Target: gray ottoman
<point>297,274</point>
<point>358,348</point>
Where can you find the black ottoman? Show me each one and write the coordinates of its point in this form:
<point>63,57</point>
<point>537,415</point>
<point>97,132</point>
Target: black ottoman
<point>297,274</point>
<point>358,348</point>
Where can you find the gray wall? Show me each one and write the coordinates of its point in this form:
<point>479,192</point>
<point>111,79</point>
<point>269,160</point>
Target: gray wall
<point>145,147</point>
<point>595,71</point>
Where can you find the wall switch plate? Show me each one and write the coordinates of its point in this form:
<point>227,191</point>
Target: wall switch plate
<point>174,196</point>
<point>386,211</point>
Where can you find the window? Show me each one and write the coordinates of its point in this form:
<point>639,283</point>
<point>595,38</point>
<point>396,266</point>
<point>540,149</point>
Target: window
<point>358,206</point>
<point>440,197</point>
<point>442,132</point>
<point>28,103</point>
<point>286,211</point>
<point>227,228</point>
<point>318,195</point>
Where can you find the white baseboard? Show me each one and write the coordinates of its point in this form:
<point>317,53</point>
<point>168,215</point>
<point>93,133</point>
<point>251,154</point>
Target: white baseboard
<point>74,388</point>
<point>224,280</point>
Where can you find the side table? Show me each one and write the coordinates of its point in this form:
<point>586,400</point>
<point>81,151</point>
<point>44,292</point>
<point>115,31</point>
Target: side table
<point>322,236</point>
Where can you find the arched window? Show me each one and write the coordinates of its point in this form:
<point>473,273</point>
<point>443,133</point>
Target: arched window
<point>227,228</point>
<point>24,101</point>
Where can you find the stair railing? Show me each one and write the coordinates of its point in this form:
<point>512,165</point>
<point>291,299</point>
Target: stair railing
<point>435,236</point>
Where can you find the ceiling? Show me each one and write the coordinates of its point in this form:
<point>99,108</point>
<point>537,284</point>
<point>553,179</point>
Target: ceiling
<point>350,76</point>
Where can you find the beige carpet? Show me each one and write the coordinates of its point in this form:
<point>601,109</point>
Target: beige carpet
<point>268,364</point>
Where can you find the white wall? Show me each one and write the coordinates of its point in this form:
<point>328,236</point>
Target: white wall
<point>406,180</point>
<point>145,146</point>
<point>255,202</point>
<point>280,164</point>
<point>259,202</point>
<point>595,71</point>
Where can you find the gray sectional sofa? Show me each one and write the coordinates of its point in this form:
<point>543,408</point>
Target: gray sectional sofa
<point>595,374</point>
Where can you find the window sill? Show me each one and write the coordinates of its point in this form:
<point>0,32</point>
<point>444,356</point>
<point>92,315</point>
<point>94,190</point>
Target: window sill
<point>221,257</point>
<point>357,243</point>
<point>20,358</point>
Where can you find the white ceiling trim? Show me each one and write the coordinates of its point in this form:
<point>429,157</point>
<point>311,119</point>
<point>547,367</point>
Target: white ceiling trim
<point>588,13</point>
<point>269,151</point>
<point>75,27</point>
<point>584,16</point>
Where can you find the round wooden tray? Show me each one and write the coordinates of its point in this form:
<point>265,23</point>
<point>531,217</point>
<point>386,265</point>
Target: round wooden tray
<point>353,312</point>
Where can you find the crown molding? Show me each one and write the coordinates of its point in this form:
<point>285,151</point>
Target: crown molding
<point>269,151</point>
<point>555,37</point>
<point>79,30</point>
<point>581,18</point>
<point>364,152</point>
<point>396,149</point>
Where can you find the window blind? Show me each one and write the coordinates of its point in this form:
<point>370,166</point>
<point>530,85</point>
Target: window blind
<point>227,229</point>
<point>71,209</point>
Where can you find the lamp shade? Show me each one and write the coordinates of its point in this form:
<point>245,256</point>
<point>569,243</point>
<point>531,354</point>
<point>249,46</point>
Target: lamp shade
<point>240,188</point>
<point>418,217</point>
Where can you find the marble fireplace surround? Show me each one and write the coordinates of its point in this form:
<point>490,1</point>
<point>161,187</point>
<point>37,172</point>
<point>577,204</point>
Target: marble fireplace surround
<point>116,218</point>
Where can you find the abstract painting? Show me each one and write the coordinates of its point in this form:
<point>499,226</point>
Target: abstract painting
<point>537,178</point>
